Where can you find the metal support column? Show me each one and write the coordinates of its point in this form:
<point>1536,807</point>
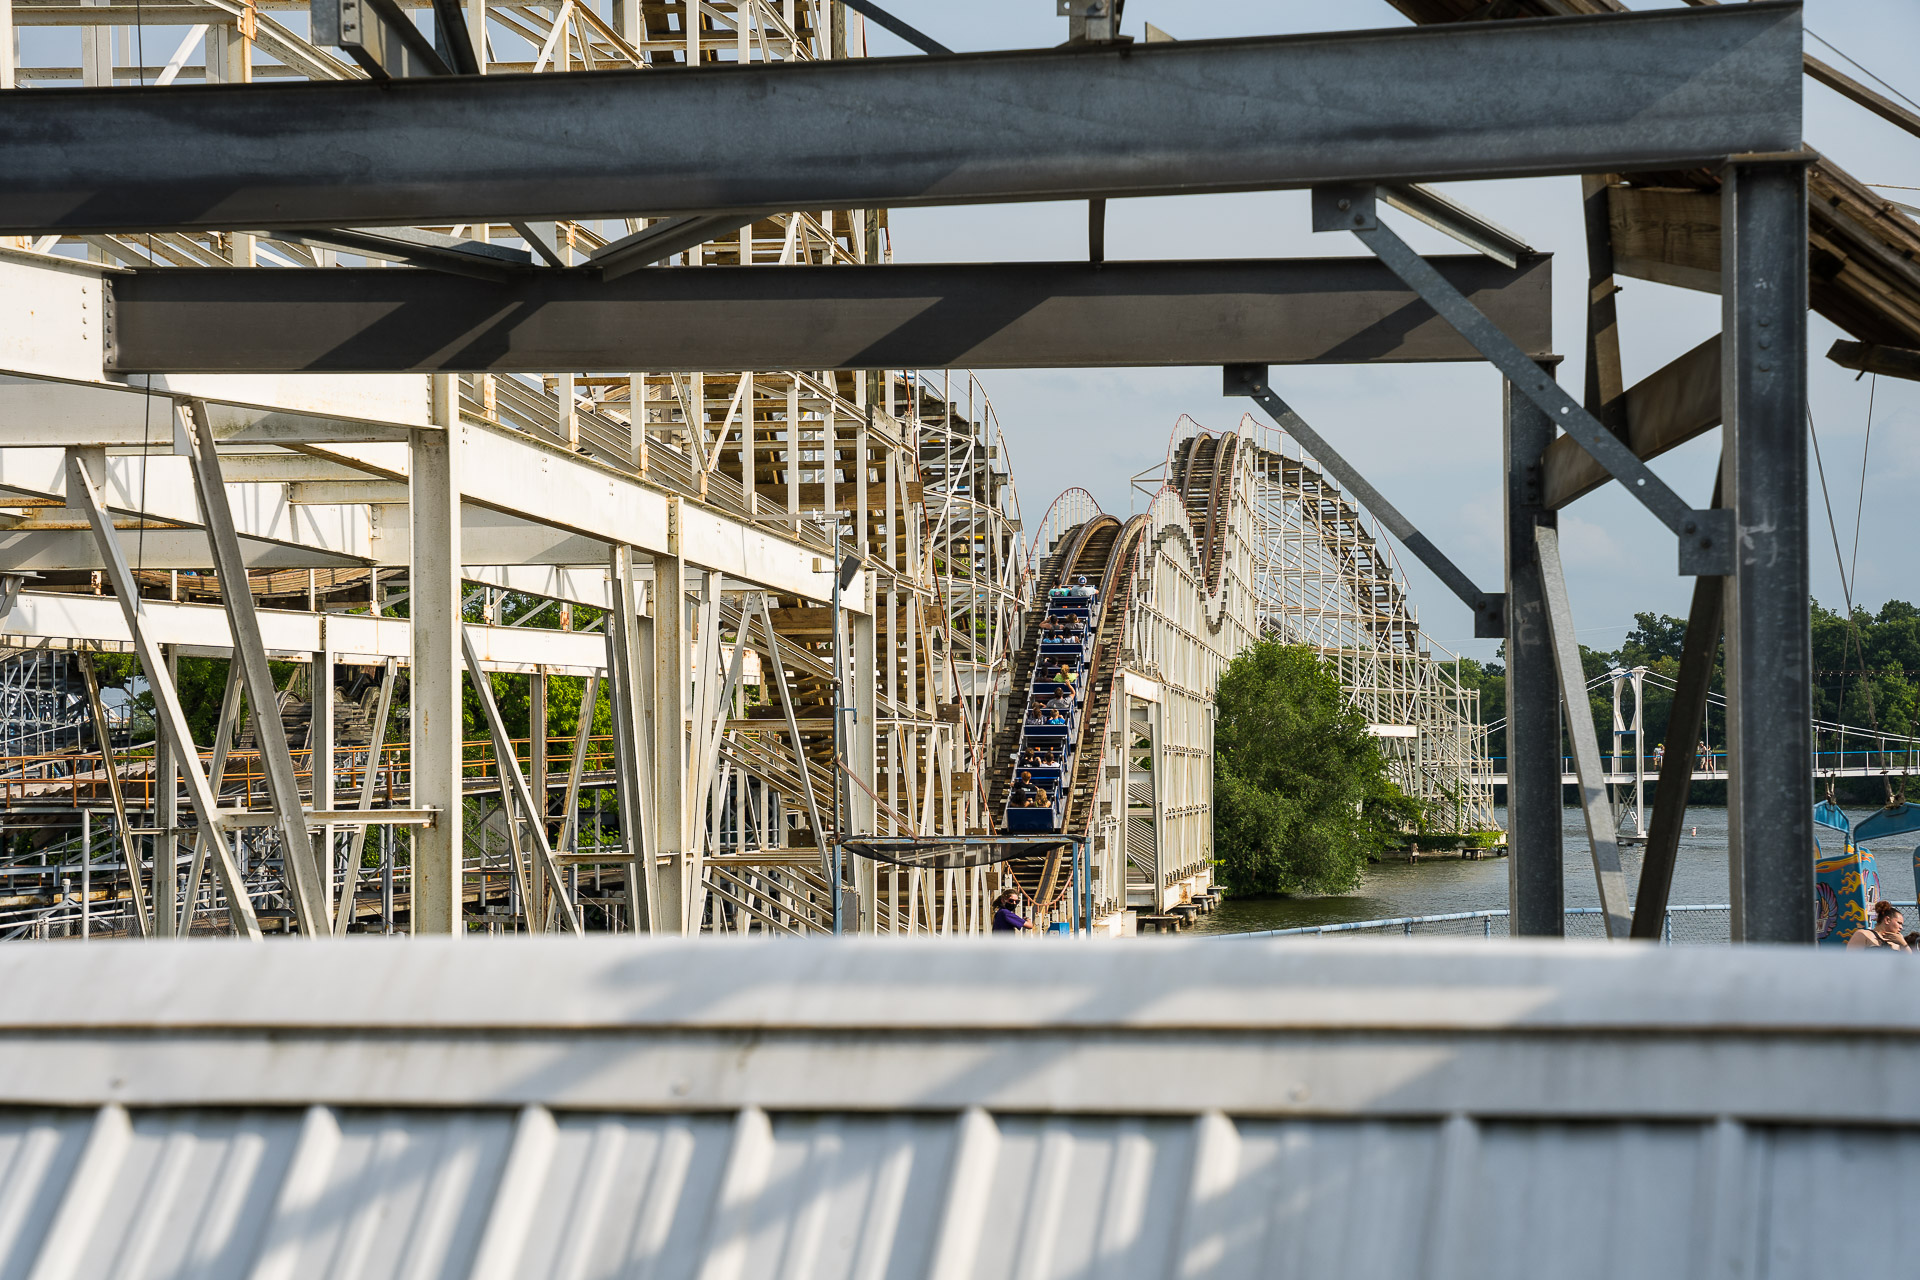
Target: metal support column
<point>863,754</point>
<point>625,661</point>
<point>1769,638</point>
<point>320,755</point>
<point>537,779</point>
<point>670,697</point>
<point>437,721</point>
<point>166,819</point>
<point>1535,891</point>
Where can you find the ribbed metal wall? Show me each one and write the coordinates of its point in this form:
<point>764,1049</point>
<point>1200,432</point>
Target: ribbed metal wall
<point>1391,1109</point>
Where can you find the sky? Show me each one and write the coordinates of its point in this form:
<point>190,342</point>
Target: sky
<point>1429,436</point>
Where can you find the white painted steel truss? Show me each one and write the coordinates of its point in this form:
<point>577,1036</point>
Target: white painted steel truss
<point>380,516</point>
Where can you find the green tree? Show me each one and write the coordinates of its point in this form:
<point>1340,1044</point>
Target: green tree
<point>1301,798</point>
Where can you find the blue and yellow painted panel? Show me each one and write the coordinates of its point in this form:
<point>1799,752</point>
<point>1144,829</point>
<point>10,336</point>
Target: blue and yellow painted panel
<point>1846,881</point>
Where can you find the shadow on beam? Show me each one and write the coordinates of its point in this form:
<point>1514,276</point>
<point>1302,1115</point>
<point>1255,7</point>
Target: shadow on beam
<point>1019,315</point>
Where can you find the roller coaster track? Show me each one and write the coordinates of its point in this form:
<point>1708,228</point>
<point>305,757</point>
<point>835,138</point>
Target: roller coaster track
<point>1242,539</point>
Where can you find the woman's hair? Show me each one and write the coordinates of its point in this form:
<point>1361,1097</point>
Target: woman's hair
<point>1882,909</point>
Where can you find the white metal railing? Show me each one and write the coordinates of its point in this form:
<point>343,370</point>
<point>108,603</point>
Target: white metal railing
<point>1698,925</point>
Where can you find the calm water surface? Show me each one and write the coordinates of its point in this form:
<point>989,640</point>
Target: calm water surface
<point>1430,888</point>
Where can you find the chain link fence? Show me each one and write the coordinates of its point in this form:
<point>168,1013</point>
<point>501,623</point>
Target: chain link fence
<point>1708,925</point>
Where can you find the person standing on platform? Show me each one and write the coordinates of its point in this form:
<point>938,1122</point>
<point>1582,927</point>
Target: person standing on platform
<point>1005,918</point>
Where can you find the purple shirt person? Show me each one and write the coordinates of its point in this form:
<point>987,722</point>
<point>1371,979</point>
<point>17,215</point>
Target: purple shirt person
<point>1005,918</point>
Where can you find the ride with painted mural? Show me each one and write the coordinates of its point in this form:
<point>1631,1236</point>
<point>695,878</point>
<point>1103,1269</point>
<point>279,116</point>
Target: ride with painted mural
<point>1846,873</point>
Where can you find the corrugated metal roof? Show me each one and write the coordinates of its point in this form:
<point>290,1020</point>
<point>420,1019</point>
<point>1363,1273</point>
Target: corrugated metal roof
<point>1504,1110</point>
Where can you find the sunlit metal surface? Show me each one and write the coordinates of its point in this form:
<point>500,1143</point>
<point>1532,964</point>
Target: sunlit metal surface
<point>876,1109</point>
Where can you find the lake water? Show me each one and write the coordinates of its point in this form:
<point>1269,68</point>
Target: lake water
<point>1430,888</point>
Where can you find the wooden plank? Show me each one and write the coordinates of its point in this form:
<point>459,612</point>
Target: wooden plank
<point>1668,407</point>
<point>1871,357</point>
<point>1666,235</point>
<point>1881,105</point>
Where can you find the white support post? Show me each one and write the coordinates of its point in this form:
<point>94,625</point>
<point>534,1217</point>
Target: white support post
<point>670,697</point>
<point>514,790</point>
<point>863,756</point>
<point>122,825</point>
<point>537,781</point>
<point>436,713</point>
<point>320,752</point>
<point>305,883</point>
<point>369,784</point>
<point>626,646</point>
<point>166,814</point>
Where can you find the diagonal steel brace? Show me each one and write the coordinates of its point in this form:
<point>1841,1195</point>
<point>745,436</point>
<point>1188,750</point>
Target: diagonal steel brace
<point>83,489</point>
<point>1489,608</point>
<point>1706,536</point>
<point>303,868</point>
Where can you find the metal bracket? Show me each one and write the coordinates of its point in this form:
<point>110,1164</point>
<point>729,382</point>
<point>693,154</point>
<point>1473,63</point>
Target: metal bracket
<point>379,36</point>
<point>1489,608</point>
<point>1706,536</point>
<point>662,240</point>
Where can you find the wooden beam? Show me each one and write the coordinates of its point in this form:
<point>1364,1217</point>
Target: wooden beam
<point>1668,407</point>
<point>1666,235</point>
<point>1871,357</point>
<point>1881,105</point>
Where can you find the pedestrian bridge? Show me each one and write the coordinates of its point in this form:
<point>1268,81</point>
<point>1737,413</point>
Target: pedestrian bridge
<point>1826,764</point>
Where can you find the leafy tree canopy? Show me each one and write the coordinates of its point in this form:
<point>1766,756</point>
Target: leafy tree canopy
<point>1301,798</point>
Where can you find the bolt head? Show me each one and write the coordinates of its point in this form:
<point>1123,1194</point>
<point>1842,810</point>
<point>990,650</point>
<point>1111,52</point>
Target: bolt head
<point>1344,205</point>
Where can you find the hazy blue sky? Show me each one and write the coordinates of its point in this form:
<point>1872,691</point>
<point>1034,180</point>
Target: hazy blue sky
<point>1429,437</point>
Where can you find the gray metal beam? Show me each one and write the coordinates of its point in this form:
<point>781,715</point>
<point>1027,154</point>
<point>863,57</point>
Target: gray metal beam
<point>1449,217</point>
<point>1015,315</point>
<point>1251,381</point>
<point>419,248</point>
<point>662,240</point>
<point>1706,537</point>
<point>1620,92</point>
<point>1769,638</point>
<point>1536,890</point>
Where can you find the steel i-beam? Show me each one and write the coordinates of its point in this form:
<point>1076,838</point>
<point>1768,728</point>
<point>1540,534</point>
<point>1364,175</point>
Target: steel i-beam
<point>1706,536</point>
<point>1535,872</point>
<point>1619,92</point>
<point>1769,638</point>
<point>1488,607</point>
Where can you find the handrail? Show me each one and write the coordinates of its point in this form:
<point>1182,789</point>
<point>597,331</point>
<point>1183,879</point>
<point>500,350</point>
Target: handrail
<point>80,777</point>
<point>1407,923</point>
